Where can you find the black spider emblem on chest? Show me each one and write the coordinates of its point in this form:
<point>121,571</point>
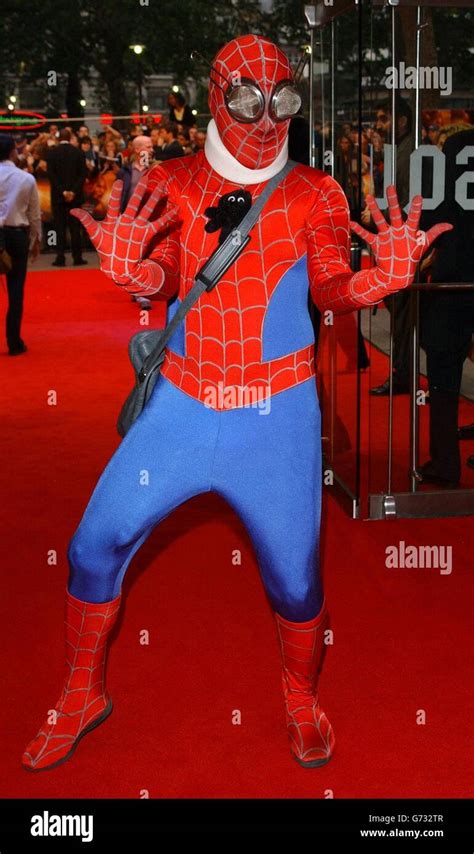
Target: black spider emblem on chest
<point>228,213</point>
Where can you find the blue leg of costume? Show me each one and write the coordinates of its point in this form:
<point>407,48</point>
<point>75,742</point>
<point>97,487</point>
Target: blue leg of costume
<point>267,466</point>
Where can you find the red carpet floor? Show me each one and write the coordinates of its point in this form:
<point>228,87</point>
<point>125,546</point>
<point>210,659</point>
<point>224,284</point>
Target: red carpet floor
<point>401,637</point>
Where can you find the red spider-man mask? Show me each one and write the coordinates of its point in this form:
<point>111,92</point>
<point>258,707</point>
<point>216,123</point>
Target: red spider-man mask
<point>252,98</point>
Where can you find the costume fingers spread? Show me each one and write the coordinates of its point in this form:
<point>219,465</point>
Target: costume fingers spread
<point>394,211</point>
<point>362,232</point>
<point>376,213</point>
<point>136,199</point>
<point>414,213</point>
<point>435,232</point>
<point>157,195</point>
<point>113,208</point>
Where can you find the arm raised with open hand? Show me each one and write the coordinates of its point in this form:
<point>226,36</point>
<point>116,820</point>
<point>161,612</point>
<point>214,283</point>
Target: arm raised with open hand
<point>123,240</point>
<point>398,246</point>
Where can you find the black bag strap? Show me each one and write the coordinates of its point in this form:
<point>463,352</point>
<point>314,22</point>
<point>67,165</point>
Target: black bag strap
<point>213,270</point>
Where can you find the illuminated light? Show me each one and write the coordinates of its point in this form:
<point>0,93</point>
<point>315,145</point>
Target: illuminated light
<point>175,88</point>
<point>194,112</point>
<point>20,119</point>
<point>137,48</point>
<point>83,102</point>
<point>13,99</point>
<point>145,108</point>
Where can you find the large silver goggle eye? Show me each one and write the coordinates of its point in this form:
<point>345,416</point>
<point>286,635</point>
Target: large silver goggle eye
<point>285,102</point>
<point>245,102</point>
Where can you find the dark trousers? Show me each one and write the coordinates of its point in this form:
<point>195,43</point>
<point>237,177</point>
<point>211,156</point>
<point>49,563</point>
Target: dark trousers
<point>62,221</point>
<point>16,244</point>
<point>444,368</point>
<point>445,365</point>
<point>399,307</point>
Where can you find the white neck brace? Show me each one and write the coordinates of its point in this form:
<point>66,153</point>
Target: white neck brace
<point>227,166</point>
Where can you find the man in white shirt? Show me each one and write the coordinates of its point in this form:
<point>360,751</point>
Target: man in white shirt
<point>20,225</point>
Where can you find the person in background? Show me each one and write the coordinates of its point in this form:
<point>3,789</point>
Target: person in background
<point>67,173</point>
<point>433,135</point>
<point>192,138</point>
<point>109,133</point>
<point>22,150</point>
<point>133,131</point>
<point>20,226</point>
<point>171,147</point>
<point>447,321</point>
<point>53,137</point>
<point>148,126</point>
<point>38,155</point>
<point>142,157</point>
<point>156,141</point>
<point>346,129</point>
<point>95,143</point>
<point>180,111</point>
<point>91,157</point>
<point>345,171</point>
<point>184,141</point>
<point>377,162</point>
<point>73,136</point>
<point>109,156</point>
<point>200,140</point>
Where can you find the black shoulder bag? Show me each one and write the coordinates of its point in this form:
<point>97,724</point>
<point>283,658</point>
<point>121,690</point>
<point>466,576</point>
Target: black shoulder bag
<point>147,349</point>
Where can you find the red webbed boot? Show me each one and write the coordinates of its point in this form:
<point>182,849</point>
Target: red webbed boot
<point>302,649</point>
<point>84,703</point>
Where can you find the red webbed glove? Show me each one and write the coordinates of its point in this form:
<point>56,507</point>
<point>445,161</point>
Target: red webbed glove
<point>122,240</point>
<point>397,249</point>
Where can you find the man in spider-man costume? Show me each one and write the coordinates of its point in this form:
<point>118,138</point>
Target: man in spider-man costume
<point>248,339</point>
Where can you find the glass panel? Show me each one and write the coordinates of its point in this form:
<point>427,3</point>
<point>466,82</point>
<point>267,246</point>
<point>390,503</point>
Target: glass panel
<point>420,338</point>
<point>439,122</point>
<point>340,343</point>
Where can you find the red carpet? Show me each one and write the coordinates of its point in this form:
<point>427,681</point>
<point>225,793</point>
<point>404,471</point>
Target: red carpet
<point>401,637</point>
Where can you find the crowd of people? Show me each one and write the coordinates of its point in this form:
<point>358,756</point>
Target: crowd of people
<point>86,164</point>
<point>47,174</point>
<point>110,149</point>
<point>376,133</point>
